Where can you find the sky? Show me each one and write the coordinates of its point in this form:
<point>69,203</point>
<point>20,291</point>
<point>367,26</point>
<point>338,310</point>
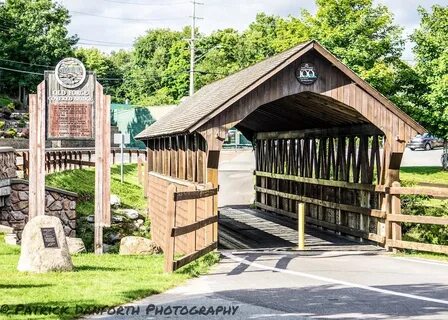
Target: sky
<point>115,24</point>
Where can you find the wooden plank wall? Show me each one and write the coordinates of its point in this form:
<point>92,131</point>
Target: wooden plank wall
<point>186,213</point>
<point>334,175</point>
<point>183,157</point>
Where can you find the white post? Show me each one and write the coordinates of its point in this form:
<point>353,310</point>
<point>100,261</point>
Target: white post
<point>301,226</point>
<point>122,156</point>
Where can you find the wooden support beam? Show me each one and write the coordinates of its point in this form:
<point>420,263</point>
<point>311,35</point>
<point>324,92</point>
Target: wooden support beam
<point>355,130</point>
<point>418,219</point>
<point>396,210</point>
<point>399,244</point>
<point>170,224</point>
<point>178,231</point>
<point>37,152</point>
<point>327,204</point>
<point>323,182</point>
<point>193,256</point>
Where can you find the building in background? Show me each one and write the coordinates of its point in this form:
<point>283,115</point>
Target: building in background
<point>133,119</point>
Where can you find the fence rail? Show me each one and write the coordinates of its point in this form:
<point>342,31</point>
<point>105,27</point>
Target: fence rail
<point>395,218</point>
<point>178,200</point>
<point>73,158</point>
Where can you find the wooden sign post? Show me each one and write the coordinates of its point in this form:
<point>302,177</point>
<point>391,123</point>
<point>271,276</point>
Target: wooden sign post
<point>70,104</point>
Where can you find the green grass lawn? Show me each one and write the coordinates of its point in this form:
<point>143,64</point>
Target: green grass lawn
<point>82,181</point>
<point>415,175</point>
<point>106,280</point>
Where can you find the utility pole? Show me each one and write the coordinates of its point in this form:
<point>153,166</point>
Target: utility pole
<point>192,46</point>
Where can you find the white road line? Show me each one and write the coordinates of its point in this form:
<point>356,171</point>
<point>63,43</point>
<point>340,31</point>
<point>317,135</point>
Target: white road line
<point>334,281</point>
<point>442,264</point>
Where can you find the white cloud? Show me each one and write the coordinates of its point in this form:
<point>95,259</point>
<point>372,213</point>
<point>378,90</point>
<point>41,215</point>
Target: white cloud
<point>216,14</point>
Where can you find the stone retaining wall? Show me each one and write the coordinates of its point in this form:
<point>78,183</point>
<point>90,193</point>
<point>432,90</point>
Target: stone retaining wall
<point>59,203</point>
<point>7,163</point>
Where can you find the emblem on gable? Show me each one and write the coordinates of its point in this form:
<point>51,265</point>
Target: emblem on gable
<point>306,73</point>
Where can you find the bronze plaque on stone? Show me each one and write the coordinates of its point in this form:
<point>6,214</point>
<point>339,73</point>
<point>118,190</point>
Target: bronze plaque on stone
<point>49,237</point>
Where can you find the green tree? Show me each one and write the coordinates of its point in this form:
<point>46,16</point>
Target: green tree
<point>218,56</point>
<point>34,32</point>
<point>150,59</point>
<point>362,35</point>
<point>108,69</point>
<point>258,39</point>
<point>431,43</point>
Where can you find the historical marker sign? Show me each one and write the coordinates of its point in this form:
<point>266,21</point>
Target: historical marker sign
<point>49,237</point>
<point>70,106</point>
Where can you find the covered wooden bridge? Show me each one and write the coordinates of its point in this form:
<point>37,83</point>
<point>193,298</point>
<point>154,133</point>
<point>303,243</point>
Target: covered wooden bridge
<point>322,136</point>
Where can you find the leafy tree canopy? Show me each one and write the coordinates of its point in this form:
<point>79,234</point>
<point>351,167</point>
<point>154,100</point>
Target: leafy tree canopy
<point>431,51</point>
<point>33,32</point>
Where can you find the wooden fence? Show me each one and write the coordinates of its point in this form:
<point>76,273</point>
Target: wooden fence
<point>72,158</point>
<point>395,218</point>
<point>391,215</point>
<point>183,218</point>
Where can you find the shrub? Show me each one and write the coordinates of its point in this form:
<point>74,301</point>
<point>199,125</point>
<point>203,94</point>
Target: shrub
<point>11,133</point>
<point>21,124</point>
<point>10,107</point>
<point>2,125</point>
<point>427,233</point>
<point>17,104</point>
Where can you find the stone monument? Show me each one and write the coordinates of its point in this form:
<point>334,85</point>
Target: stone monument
<point>44,246</point>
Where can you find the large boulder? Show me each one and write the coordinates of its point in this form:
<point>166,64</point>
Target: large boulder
<point>44,246</point>
<point>75,245</point>
<point>138,245</point>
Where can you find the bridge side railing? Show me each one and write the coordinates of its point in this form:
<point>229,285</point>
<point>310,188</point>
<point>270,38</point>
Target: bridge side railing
<point>395,218</point>
<point>58,159</point>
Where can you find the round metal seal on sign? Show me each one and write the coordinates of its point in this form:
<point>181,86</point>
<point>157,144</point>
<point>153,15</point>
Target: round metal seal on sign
<point>306,74</point>
<point>70,73</point>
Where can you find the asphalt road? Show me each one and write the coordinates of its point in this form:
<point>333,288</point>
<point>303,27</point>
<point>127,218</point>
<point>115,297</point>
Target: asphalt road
<point>330,280</point>
<point>308,285</point>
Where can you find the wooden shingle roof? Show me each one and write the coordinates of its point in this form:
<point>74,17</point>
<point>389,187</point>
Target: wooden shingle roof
<point>213,98</point>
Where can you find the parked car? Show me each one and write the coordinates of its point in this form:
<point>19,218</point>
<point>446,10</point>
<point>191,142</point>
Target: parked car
<point>425,141</point>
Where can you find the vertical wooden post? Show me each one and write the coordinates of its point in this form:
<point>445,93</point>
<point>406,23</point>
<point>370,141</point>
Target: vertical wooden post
<point>106,144</point>
<point>99,157</point>
<point>37,153</point>
<point>396,209</point>
<point>301,226</point>
<point>102,166</point>
<point>139,170</point>
<point>212,178</point>
<point>170,223</point>
<point>146,166</point>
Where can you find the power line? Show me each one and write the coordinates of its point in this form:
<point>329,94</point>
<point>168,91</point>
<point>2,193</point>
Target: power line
<point>106,42</point>
<point>103,45</point>
<point>27,63</point>
<point>21,71</point>
<point>149,4</point>
<point>126,19</point>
